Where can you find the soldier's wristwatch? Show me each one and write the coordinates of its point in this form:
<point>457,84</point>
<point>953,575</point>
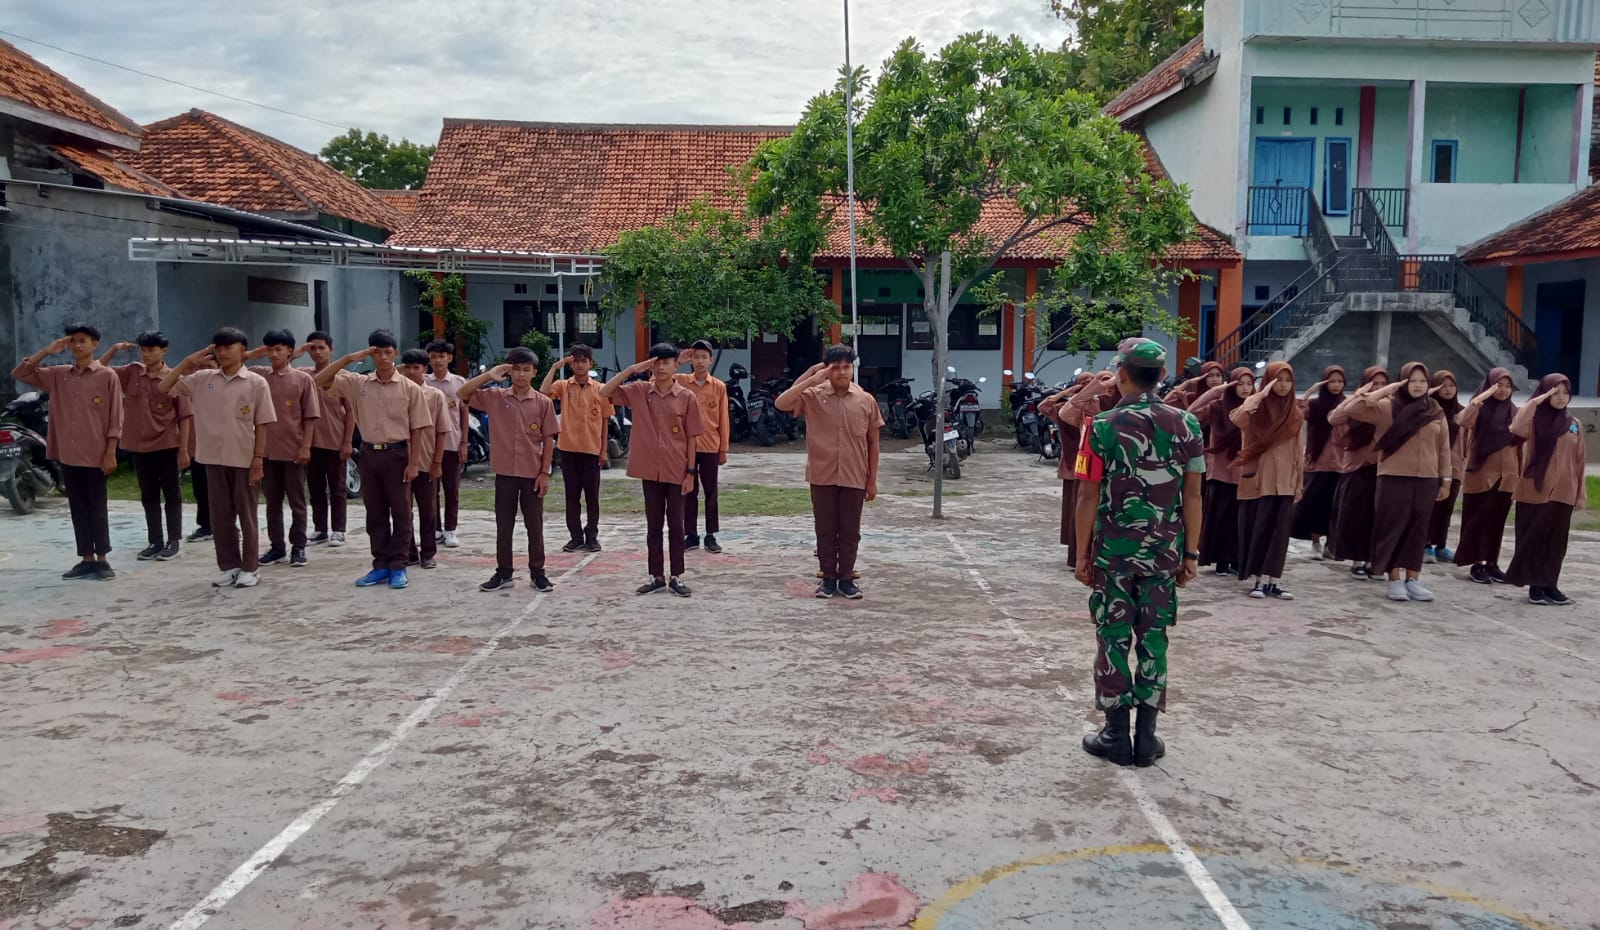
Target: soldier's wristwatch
<point>1192,555</point>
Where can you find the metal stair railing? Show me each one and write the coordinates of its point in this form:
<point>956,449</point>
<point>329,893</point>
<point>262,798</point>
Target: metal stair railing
<point>1390,204</point>
<point>1269,329</point>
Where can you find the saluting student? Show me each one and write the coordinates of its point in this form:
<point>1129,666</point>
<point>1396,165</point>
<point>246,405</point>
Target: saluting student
<point>1350,535</point>
<point>522,444</point>
<point>1219,537</point>
<point>1270,464</point>
<point>392,414</point>
<point>431,451</point>
<point>1210,376</point>
<point>155,433</point>
<point>1057,408</point>
<point>585,431</point>
<point>1445,392</point>
<point>1552,486</point>
<point>1324,461</point>
<point>332,439</point>
<point>710,447</point>
<point>666,420</point>
<point>232,406</point>
<point>843,423</point>
<point>197,469</point>
<point>1494,464</point>
<point>441,355</point>
<point>297,401</point>
<point>86,418</point>
<point>1414,471</point>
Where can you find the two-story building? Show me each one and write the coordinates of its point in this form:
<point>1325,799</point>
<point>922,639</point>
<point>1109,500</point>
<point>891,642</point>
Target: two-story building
<point>1353,148</point>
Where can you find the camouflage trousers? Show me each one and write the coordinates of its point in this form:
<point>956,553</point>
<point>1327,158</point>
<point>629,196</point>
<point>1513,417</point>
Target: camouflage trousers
<point>1131,614</point>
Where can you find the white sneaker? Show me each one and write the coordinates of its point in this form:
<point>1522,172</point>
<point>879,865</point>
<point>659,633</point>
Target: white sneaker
<point>247,579</point>
<point>1316,550</point>
<point>438,535</point>
<point>1398,592</point>
<point>1417,592</point>
<point>226,579</point>
<point>336,540</point>
<point>450,540</point>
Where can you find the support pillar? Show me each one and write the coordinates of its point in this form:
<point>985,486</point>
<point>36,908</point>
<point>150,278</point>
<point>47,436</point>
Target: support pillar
<point>1582,128</point>
<point>1514,290</point>
<point>1230,306</point>
<point>836,331</point>
<point>1008,338</point>
<point>641,328</point>
<point>1416,158</point>
<point>1030,316</point>
<point>1367,119</point>
<point>1189,312</point>
<point>1380,338</point>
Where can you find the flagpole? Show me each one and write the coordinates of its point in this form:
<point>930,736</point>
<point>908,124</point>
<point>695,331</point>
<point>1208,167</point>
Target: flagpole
<point>850,178</point>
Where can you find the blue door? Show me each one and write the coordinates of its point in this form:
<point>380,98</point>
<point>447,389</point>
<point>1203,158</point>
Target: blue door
<point>1558,325</point>
<point>1284,171</point>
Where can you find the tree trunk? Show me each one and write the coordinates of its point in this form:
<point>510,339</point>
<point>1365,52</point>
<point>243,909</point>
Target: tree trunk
<point>938,321</point>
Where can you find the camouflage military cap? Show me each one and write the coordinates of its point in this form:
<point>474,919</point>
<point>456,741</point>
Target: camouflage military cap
<point>1141,353</point>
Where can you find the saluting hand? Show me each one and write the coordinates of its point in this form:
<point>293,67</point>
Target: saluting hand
<point>124,347</point>
<point>1484,396</point>
<point>58,345</point>
<point>195,358</point>
<point>1543,397</point>
<point>300,350</point>
<point>499,372</point>
<point>257,352</point>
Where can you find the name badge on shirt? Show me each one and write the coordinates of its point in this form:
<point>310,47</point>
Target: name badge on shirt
<point>98,400</point>
<point>244,411</point>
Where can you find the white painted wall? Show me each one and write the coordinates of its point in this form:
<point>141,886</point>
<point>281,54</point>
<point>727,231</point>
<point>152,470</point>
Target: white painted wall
<point>1449,216</point>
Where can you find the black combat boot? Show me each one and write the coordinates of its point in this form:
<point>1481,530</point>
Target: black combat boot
<point>1111,743</point>
<point>1147,746</point>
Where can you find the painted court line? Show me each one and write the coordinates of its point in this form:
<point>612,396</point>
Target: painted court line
<point>1196,870</point>
<point>263,858</point>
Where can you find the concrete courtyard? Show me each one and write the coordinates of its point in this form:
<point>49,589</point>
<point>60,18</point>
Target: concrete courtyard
<point>307,755</point>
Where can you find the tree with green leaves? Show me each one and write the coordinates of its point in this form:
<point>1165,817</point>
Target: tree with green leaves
<point>372,161</point>
<point>1115,42</point>
<point>446,295</point>
<point>709,273</point>
<point>974,152</point>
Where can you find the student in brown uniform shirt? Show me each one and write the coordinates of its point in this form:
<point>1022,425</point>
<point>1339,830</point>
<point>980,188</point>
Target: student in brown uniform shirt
<point>710,447</point>
<point>1494,463</point>
<point>441,355</point>
<point>332,444</point>
<point>1313,515</point>
<point>297,401</point>
<point>1445,391</point>
<point>842,426</point>
<point>197,470</point>
<point>1552,486</point>
<point>434,442</point>
<point>86,418</point>
<point>522,444</point>
<point>1219,533</point>
<point>1270,463</point>
<point>155,433</point>
<point>585,433</point>
<point>666,420</point>
<point>391,414</point>
<point>232,406</point>
<point>1057,408</point>
<point>1350,532</point>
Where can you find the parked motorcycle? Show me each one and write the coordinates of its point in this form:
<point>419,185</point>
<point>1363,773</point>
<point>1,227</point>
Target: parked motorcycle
<point>25,472</point>
<point>767,422</point>
<point>963,401</point>
<point>738,411</point>
<point>1026,419</point>
<point>897,402</point>
<point>477,447</point>
<point>619,429</point>
<point>924,409</point>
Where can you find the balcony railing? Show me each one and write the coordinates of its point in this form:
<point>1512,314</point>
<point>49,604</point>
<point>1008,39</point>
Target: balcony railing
<point>1391,204</point>
<point>1279,211</point>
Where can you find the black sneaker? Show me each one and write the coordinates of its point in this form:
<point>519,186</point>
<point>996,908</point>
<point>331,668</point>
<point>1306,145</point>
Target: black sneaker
<point>712,546</point>
<point>499,580</point>
<point>848,589</point>
<point>1554,597</point>
<point>1537,596</point>
<point>677,587</point>
<point>652,586</point>
<point>275,554</point>
<point>592,545</point>
<point>1223,570</point>
<point>691,542</point>
<point>103,571</point>
<point>169,553</point>
<point>200,534</point>
<point>426,564</point>
<point>81,570</point>
<point>542,584</point>
<point>297,557</point>
<point>1259,592</point>
<point>320,538</point>
<point>1359,571</point>
<point>1278,592</point>
<point>149,552</point>
<point>1496,575</point>
<point>828,588</point>
<point>415,558</point>
<point>1480,575</point>
<point>573,545</point>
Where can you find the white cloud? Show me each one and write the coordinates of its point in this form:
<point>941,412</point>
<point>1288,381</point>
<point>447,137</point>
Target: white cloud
<point>400,66</point>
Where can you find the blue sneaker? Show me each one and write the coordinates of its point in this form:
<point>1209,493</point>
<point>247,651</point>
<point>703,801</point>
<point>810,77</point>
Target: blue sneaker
<point>1428,556</point>
<point>375,577</point>
<point>1445,554</point>
<point>398,579</point>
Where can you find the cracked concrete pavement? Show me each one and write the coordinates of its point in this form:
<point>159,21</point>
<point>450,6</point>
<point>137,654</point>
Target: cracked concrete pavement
<point>755,757</point>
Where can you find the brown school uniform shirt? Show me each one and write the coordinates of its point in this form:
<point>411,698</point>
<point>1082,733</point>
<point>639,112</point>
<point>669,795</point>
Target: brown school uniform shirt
<point>1278,472</point>
<point>385,411</point>
<point>85,410</point>
<point>450,386</point>
<point>1332,457</point>
<point>1057,410</point>
<point>443,423</point>
<point>657,451</point>
<point>1220,466</point>
<point>837,429</point>
<point>150,416</point>
<point>713,399</point>
<point>1425,455</point>
<point>298,404</point>
<point>585,416</point>
<point>518,429</point>
<point>327,431</point>
<point>1564,476</point>
<point>1351,459</point>
<point>1505,466</point>
<point>227,411</point>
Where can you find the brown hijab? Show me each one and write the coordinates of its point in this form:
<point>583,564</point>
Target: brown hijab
<point>1451,407</point>
<point>1184,395</point>
<point>1318,429</point>
<point>1549,425</point>
<point>1277,420</point>
<point>1226,438</point>
<point>1492,431</point>
<point>1410,414</point>
<point>1360,435</point>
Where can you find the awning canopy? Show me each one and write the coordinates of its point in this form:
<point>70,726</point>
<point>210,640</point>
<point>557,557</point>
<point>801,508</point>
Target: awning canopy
<point>361,255</point>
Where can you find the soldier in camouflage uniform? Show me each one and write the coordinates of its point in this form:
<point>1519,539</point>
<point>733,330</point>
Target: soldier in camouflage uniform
<point>1139,467</point>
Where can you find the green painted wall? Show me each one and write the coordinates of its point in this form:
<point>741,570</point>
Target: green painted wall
<point>1483,120</point>
<point>1547,134</point>
<point>1390,127</point>
<point>1300,99</point>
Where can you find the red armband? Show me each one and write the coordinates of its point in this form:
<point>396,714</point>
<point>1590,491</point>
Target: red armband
<point>1089,466</point>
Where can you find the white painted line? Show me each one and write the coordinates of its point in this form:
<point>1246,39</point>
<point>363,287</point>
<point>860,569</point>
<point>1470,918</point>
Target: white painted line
<point>1525,634</point>
<point>263,858</point>
<point>1196,870</point>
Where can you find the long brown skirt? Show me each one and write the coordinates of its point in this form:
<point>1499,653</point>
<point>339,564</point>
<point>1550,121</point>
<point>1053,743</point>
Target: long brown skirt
<point>1313,516</point>
<point>1219,524</point>
<point>1439,522</point>
<point>1069,522</point>
<point>1264,535</point>
<point>1541,544</point>
<point>1401,530</point>
<point>1483,523</point>
<point>1353,510</point>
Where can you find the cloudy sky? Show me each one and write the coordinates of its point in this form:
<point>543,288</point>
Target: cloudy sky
<point>400,66</point>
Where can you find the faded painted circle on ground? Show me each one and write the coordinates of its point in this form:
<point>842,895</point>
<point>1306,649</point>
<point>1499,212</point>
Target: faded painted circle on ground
<point>1133,888</point>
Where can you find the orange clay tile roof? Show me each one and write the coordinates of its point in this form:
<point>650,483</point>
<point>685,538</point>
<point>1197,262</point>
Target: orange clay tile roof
<point>404,202</point>
<point>26,81</point>
<point>113,172</point>
<point>573,188</point>
<point>1597,68</point>
<point>212,159</point>
<point>1553,234</point>
<point>1162,78</point>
